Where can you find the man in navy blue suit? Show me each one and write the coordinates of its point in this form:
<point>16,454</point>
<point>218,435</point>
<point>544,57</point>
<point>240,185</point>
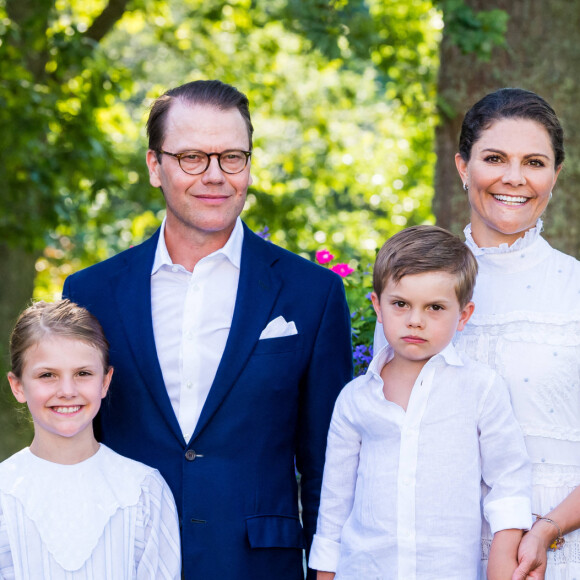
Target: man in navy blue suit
<point>229,352</point>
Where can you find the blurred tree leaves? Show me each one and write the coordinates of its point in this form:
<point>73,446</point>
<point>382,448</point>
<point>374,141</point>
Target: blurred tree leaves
<point>55,157</point>
<point>342,96</point>
<point>474,31</point>
<point>342,92</point>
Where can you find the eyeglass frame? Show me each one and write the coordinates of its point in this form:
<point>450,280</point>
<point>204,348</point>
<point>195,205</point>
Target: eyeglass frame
<point>179,156</point>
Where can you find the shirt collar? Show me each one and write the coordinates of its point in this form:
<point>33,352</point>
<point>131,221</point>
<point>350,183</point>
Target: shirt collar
<point>232,249</point>
<point>385,354</point>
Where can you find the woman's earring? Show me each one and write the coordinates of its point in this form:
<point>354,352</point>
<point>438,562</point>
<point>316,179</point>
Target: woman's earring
<point>550,195</point>
<point>465,187</point>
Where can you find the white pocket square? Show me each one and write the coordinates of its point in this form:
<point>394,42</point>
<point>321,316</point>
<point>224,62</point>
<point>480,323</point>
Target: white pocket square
<point>277,328</point>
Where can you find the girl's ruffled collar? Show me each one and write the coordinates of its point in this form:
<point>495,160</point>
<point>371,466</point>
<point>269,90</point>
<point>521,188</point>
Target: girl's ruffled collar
<point>70,505</point>
<point>523,243</point>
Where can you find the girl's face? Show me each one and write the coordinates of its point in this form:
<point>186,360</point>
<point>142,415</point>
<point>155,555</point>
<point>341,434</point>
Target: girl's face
<point>510,175</point>
<point>63,382</point>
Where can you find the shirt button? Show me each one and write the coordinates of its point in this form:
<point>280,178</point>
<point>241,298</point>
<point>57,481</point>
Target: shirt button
<point>190,455</point>
<point>189,384</point>
<point>175,269</point>
<point>195,288</point>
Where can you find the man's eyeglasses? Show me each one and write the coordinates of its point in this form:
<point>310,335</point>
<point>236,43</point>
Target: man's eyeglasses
<point>196,162</point>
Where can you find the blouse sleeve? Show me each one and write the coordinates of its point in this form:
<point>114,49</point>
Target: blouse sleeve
<point>6,564</point>
<point>338,486</point>
<point>159,555</point>
<point>505,465</point>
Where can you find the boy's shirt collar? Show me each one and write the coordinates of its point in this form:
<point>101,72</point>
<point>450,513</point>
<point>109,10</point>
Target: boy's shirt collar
<point>385,354</point>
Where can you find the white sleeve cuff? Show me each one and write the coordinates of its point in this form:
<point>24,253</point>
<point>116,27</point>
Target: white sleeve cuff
<point>324,554</point>
<point>509,513</point>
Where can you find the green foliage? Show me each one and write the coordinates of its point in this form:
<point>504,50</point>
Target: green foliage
<point>55,158</point>
<point>342,96</point>
<point>474,32</point>
<point>343,99</point>
<point>358,287</point>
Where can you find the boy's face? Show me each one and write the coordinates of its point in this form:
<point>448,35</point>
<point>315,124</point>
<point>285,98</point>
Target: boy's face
<point>420,314</point>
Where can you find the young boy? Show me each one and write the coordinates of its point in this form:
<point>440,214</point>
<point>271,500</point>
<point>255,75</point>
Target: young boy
<point>410,441</point>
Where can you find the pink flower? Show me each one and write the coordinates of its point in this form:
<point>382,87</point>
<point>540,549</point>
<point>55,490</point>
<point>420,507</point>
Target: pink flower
<point>324,256</point>
<point>342,269</point>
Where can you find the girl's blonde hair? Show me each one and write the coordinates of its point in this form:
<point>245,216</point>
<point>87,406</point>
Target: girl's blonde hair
<point>60,318</point>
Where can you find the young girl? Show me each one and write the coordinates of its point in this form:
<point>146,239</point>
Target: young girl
<point>70,507</point>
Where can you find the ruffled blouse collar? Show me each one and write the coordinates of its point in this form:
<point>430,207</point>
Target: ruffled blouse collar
<point>71,505</point>
<point>529,238</point>
<point>525,253</point>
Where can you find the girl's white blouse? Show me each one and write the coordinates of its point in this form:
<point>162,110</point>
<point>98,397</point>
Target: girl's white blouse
<point>106,517</point>
<point>526,325</point>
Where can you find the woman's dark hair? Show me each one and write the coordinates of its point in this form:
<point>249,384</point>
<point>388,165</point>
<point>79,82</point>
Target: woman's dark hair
<point>510,104</point>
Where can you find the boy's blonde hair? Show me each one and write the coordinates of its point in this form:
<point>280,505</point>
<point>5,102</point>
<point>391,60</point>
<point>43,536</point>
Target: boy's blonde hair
<point>420,249</point>
<point>60,318</point>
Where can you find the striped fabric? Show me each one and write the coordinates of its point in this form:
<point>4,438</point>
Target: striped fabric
<point>139,541</point>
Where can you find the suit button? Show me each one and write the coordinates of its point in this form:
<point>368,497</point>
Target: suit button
<point>190,455</point>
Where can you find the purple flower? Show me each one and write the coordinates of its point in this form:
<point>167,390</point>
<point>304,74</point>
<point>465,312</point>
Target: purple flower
<point>363,353</point>
<point>362,356</point>
<point>324,256</point>
<point>342,269</point>
<point>264,233</point>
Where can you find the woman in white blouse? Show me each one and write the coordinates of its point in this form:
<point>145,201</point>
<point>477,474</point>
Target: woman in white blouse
<point>526,323</point>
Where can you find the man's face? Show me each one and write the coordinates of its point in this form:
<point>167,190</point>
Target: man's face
<point>201,207</point>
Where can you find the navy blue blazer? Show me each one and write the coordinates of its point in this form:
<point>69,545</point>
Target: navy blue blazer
<point>270,405</point>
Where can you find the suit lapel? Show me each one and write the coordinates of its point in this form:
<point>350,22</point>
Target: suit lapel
<point>132,291</point>
<point>258,288</point>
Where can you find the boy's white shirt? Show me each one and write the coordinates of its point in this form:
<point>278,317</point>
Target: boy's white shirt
<point>401,490</point>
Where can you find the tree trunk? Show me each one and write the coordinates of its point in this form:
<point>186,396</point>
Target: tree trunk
<point>18,272</point>
<point>542,55</point>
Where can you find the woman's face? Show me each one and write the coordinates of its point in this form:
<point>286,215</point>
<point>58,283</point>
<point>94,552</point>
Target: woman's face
<point>510,175</point>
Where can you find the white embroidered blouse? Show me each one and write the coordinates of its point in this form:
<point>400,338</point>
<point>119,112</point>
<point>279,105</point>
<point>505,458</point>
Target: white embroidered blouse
<point>106,517</point>
<point>526,325</point>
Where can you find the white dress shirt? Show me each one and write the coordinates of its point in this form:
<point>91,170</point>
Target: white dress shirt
<point>192,315</point>
<point>401,492</point>
<point>107,517</point>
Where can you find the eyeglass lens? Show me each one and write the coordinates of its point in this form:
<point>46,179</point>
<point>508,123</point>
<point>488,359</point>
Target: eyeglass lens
<point>197,161</point>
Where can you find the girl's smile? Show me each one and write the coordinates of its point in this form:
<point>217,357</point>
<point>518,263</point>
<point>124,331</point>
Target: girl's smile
<point>63,381</point>
<point>67,410</point>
